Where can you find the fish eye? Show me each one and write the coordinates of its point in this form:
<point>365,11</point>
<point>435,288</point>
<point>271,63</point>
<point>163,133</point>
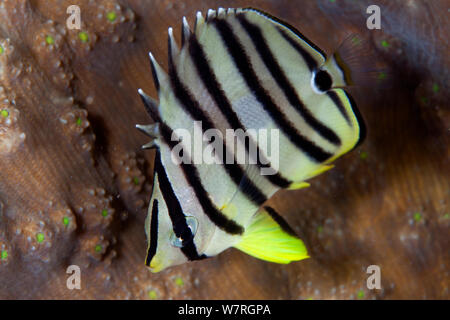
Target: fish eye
<point>322,81</point>
<point>192,224</point>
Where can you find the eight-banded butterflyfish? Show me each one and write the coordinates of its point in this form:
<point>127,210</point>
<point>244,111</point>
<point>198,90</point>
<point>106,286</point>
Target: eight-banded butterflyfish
<point>240,69</point>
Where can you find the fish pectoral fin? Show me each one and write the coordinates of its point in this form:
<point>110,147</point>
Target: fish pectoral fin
<point>270,238</point>
<point>298,185</point>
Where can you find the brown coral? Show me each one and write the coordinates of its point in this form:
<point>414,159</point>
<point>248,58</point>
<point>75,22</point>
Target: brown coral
<point>74,184</point>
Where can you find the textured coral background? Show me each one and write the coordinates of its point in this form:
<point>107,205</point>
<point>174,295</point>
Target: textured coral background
<point>74,184</point>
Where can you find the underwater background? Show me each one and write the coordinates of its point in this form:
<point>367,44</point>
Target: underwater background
<point>75,185</point>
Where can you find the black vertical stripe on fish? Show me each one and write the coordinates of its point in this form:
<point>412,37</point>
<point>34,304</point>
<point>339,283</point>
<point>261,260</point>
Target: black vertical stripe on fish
<point>310,61</point>
<point>193,178</point>
<point>290,27</point>
<point>191,174</point>
<point>280,78</point>
<point>191,106</point>
<point>243,64</point>
<point>179,224</point>
<point>279,219</point>
<point>215,90</point>
<point>337,101</point>
<point>153,233</point>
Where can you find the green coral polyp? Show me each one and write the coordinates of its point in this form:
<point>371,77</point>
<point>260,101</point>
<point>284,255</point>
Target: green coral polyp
<point>111,16</point>
<point>66,221</point>
<point>1,49</point>
<point>361,294</point>
<point>79,121</point>
<point>4,255</point>
<point>4,113</point>
<point>104,212</point>
<point>179,282</point>
<point>385,44</point>
<point>83,36</point>
<point>152,294</point>
<point>356,41</point>
<point>382,76</point>
<point>417,217</point>
<point>40,237</point>
<point>50,40</point>
<point>98,248</point>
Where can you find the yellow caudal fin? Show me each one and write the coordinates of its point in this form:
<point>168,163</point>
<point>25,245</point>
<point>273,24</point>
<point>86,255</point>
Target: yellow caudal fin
<point>270,238</point>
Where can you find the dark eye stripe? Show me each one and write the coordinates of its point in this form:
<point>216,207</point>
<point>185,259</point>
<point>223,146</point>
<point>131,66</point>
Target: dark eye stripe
<point>153,234</point>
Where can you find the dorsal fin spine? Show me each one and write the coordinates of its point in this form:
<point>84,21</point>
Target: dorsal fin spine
<point>159,75</point>
<point>199,21</point>
<point>172,45</point>
<point>151,106</point>
<point>185,32</point>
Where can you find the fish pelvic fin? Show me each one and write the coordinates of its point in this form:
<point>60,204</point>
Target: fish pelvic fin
<point>298,185</point>
<point>320,170</point>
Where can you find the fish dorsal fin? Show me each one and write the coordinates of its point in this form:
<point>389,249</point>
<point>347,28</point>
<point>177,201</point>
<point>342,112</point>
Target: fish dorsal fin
<point>270,238</point>
<point>290,30</point>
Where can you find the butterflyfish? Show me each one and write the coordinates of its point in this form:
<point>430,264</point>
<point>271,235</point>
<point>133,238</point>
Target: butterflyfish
<point>240,69</point>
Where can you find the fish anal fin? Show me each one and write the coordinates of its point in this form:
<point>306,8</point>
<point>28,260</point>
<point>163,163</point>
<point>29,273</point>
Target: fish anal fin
<point>270,238</point>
